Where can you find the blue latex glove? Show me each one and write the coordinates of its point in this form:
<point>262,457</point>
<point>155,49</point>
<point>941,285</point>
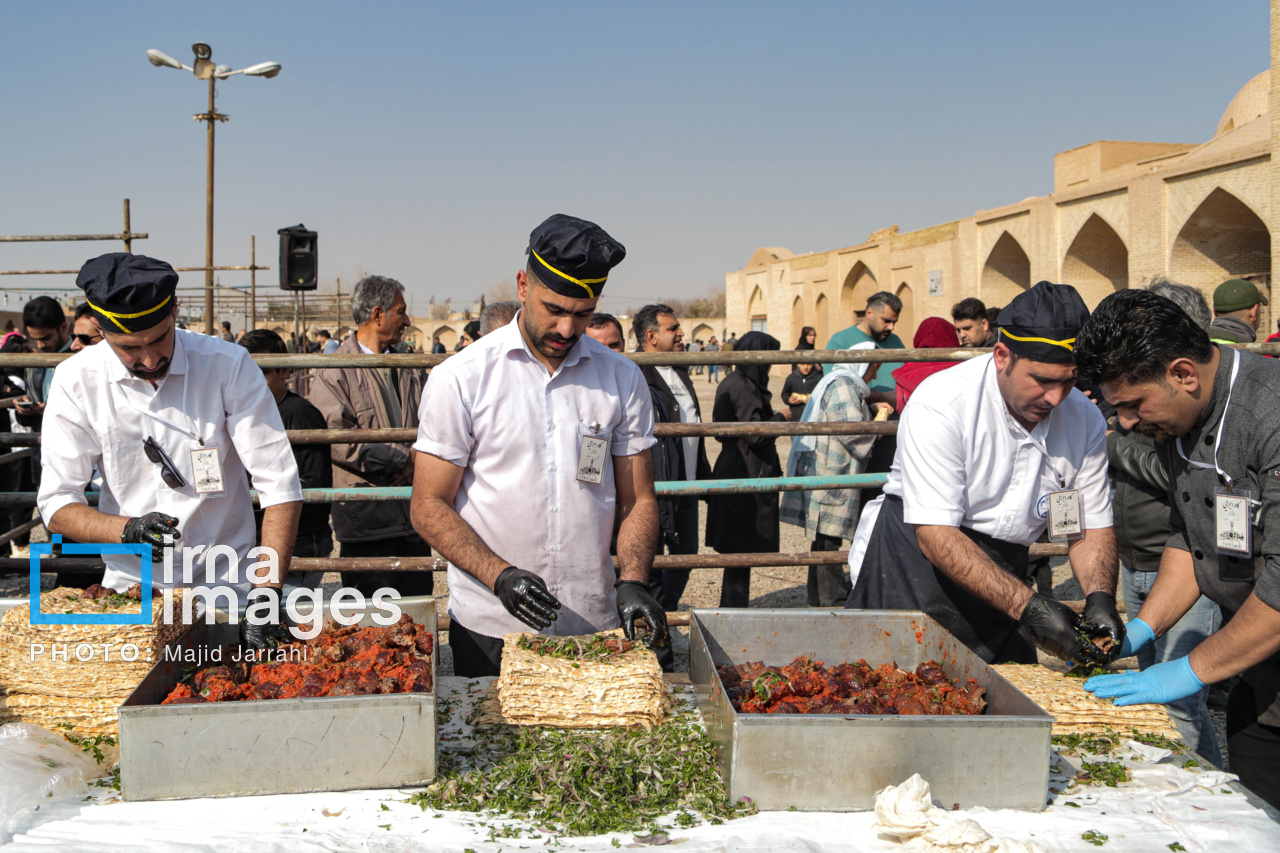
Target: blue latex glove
<point>1138,635</point>
<point>1160,684</point>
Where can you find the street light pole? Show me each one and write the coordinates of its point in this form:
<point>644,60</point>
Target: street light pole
<point>204,69</point>
<point>210,118</point>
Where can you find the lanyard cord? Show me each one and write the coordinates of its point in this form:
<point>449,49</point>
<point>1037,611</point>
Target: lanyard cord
<point>1222,422</point>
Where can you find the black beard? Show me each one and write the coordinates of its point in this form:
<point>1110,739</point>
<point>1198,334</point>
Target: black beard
<point>151,375</point>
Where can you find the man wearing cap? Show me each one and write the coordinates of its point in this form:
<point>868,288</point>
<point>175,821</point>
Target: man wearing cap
<point>990,453</point>
<point>173,421</point>
<point>1237,312</point>
<point>530,441</point>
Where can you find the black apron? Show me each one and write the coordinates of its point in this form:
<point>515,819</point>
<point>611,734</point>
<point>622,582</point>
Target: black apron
<point>896,576</point>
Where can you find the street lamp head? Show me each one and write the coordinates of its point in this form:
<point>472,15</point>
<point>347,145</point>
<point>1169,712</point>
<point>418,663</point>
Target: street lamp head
<point>263,69</point>
<point>202,50</point>
<point>162,60</point>
<point>222,72</point>
<point>202,67</point>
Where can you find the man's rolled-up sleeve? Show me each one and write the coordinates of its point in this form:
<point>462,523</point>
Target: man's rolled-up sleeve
<point>69,451</point>
<point>1267,583</point>
<point>634,433</point>
<point>253,421</point>
<point>930,458</point>
<point>444,419</point>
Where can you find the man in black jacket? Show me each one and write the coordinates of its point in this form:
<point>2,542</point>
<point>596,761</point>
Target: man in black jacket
<point>657,330</point>
<point>315,471</point>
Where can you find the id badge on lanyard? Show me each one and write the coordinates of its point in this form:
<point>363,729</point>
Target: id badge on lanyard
<point>1233,522</point>
<point>591,459</point>
<point>1065,520</point>
<point>206,472</point>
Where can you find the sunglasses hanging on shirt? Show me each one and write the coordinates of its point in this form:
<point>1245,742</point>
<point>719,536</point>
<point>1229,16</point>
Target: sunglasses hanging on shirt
<point>168,471</point>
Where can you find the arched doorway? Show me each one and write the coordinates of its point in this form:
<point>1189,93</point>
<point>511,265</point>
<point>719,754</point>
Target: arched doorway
<point>1222,239</point>
<point>701,332</point>
<point>906,327</point>
<point>859,284</point>
<point>798,319</point>
<point>447,335</point>
<point>757,313</point>
<point>821,321</point>
<point>1006,273</point>
<point>1097,264</point>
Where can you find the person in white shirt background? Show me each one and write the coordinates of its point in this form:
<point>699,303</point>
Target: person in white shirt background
<point>989,453</point>
<point>173,421</point>
<point>530,441</point>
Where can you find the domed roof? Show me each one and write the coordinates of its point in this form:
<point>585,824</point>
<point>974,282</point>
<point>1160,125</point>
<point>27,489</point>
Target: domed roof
<point>1250,102</point>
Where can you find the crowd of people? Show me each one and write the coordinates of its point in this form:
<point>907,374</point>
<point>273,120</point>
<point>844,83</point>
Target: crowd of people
<point>1132,434</point>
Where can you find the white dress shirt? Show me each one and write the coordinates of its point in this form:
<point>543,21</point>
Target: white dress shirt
<point>517,431</point>
<point>688,415</point>
<point>99,414</point>
<point>963,461</point>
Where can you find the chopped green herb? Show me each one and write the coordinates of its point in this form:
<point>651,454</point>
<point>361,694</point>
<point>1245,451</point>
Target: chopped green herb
<point>1097,839</point>
<point>1109,773</point>
<point>1085,671</point>
<point>1190,764</point>
<point>1073,805</point>
<point>588,782</point>
<point>596,648</point>
<point>1175,847</point>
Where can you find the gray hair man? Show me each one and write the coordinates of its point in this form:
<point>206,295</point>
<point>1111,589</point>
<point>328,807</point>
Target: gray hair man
<point>377,398</point>
<point>496,315</point>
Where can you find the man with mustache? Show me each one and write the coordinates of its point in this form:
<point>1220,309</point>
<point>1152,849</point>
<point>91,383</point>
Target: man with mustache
<point>990,453</point>
<point>173,421</point>
<point>1212,411</point>
<point>528,443</point>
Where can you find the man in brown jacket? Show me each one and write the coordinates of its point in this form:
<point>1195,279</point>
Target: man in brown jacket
<point>377,398</point>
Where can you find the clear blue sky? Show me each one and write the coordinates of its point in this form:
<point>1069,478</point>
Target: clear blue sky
<point>425,140</point>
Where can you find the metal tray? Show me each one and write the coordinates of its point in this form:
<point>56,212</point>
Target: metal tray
<point>279,746</point>
<point>824,763</point>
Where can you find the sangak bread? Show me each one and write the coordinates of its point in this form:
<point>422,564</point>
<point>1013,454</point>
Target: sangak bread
<point>545,683</point>
<point>81,689</point>
<point>1074,710</point>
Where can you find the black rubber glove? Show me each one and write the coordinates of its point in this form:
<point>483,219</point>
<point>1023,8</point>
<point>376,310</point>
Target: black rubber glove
<point>150,529</point>
<point>526,597</point>
<point>269,635</point>
<point>1053,627</point>
<point>1101,621</point>
<point>634,601</point>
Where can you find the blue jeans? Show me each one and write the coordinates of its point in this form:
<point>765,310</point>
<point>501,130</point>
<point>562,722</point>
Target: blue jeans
<point>713,373</point>
<point>1190,715</point>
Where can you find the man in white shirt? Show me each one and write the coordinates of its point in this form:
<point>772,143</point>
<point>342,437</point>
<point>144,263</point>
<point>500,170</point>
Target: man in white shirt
<point>657,330</point>
<point>990,453</point>
<point>529,441</point>
<point>174,421</point>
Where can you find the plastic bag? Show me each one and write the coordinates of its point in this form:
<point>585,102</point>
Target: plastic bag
<point>36,764</point>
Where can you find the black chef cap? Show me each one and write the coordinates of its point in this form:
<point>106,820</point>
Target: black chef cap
<point>128,293</point>
<point>1042,323</point>
<point>573,256</point>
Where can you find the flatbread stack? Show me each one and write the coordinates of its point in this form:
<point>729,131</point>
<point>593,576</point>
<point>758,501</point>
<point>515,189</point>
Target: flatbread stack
<point>1074,710</point>
<point>84,686</point>
<point>592,681</point>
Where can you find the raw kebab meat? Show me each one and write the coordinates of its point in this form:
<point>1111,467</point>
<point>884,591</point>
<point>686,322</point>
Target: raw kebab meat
<point>342,661</point>
<point>807,687</point>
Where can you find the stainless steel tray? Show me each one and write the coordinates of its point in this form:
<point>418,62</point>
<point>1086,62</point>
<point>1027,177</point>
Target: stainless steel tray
<point>279,746</point>
<point>827,763</point>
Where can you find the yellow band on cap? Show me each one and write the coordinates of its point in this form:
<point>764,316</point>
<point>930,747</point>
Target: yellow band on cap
<point>1066,345</point>
<point>116,318</point>
<point>583,283</point>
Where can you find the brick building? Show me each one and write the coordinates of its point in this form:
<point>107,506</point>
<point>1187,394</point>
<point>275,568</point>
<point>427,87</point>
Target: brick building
<point>1121,213</point>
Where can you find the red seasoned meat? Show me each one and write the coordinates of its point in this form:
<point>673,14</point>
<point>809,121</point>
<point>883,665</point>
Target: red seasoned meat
<point>801,666</point>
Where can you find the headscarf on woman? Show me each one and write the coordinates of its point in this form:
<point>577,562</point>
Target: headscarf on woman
<point>856,369</point>
<point>934,333</point>
<point>757,373</point>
